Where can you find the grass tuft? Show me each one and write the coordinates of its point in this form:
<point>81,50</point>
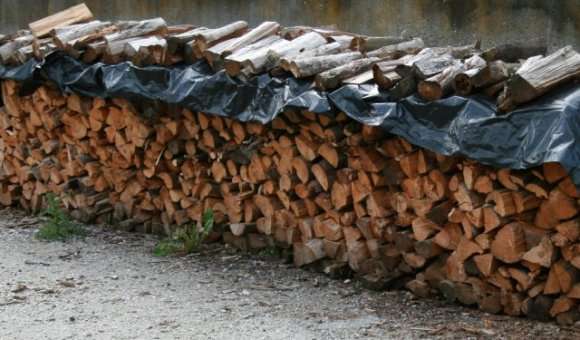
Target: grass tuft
<point>186,240</point>
<point>58,226</point>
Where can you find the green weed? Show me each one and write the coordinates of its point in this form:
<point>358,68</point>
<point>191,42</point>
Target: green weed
<point>58,226</point>
<point>271,252</point>
<point>187,240</point>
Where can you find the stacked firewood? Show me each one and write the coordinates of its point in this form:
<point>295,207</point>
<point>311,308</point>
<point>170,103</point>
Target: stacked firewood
<point>339,195</point>
<point>515,74</point>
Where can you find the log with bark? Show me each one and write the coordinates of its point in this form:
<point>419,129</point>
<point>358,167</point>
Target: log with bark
<point>309,66</point>
<point>538,75</point>
<point>332,78</point>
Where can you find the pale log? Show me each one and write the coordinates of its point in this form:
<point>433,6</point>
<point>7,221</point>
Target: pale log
<point>71,15</point>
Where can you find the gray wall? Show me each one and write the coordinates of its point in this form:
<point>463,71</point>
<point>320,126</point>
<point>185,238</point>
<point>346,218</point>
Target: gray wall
<point>437,21</point>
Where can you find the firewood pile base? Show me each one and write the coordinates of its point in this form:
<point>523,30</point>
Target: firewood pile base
<point>338,195</point>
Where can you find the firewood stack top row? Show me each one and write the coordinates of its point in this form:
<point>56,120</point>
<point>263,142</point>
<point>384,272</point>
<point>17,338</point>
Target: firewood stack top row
<point>513,73</point>
<point>339,196</point>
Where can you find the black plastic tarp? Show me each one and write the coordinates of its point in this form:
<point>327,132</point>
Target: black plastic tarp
<point>543,131</point>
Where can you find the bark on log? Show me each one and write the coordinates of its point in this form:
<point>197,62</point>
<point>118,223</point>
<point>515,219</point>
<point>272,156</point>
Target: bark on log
<point>210,37</point>
<point>332,78</point>
<point>327,49</point>
<point>137,29</point>
<point>225,48</point>
<point>512,53</point>
<point>540,74</point>
<point>367,44</point>
<point>397,50</point>
<point>440,84</point>
<point>63,36</point>
<point>305,67</point>
<point>233,63</point>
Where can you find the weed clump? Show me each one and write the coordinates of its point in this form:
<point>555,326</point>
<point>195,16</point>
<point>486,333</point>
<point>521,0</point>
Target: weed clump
<point>187,240</point>
<point>58,226</point>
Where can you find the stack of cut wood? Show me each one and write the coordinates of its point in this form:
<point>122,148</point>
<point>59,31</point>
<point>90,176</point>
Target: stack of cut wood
<point>515,74</point>
<point>339,195</point>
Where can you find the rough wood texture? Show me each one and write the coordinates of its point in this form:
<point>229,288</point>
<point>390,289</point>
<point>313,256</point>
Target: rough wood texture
<point>332,78</point>
<point>539,74</point>
<point>69,16</point>
<point>323,186</point>
<point>309,66</point>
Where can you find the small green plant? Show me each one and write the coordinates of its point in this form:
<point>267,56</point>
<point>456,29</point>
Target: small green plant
<point>270,251</point>
<point>58,226</point>
<point>187,240</point>
<point>167,247</point>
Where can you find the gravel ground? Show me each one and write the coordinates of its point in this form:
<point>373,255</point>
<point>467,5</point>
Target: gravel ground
<point>109,286</point>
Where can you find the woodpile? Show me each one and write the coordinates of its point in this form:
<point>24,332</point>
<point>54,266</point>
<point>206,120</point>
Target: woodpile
<point>514,74</point>
<point>339,195</point>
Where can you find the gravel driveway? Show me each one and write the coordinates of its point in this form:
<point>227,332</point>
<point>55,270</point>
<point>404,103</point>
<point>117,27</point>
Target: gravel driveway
<point>110,286</point>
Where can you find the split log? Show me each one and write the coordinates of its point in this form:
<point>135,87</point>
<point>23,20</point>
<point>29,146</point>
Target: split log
<point>439,85</point>
<point>295,48</point>
<point>210,37</point>
<point>332,78</point>
<point>327,49</point>
<point>265,29</point>
<point>309,66</point>
<point>71,15</point>
<point>367,44</point>
<point>426,68</point>
<point>137,29</point>
<point>65,37</point>
<point>538,75</point>
<point>8,50</point>
<point>254,54</point>
<point>398,50</point>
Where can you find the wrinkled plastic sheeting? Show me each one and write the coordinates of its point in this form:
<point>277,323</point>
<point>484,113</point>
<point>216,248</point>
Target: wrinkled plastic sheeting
<point>543,131</point>
<point>194,86</point>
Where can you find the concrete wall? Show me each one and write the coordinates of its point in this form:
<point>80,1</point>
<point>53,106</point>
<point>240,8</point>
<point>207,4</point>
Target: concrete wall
<point>437,21</point>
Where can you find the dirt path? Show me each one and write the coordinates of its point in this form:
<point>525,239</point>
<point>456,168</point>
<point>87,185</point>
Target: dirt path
<point>109,286</point>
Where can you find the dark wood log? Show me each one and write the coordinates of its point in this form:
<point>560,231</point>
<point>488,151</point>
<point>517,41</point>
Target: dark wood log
<point>332,78</point>
<point>462,84</point>
<point>493,73</point>
<point>512,53</point>
<point>176,42</point>
<point>385,73</point>
<point>305,67</point>
<point>94,51</point>
<point>404,87</point>
<point>440,84</point>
